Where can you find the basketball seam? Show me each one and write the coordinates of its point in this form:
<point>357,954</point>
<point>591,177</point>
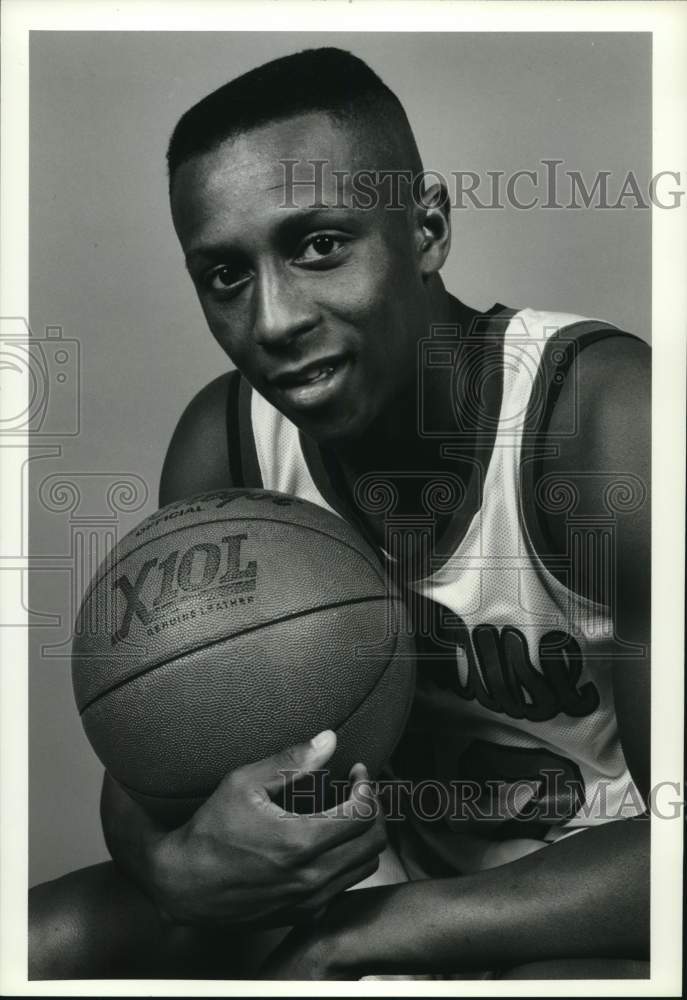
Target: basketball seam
<point>160,661</point>
<point>339,725</point>
<point>197,524</point>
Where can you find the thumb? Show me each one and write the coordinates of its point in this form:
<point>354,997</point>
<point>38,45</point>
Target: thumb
<point>275,773</point>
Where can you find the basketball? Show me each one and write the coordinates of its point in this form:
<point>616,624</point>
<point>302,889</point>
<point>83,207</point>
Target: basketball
<point>227,627</point>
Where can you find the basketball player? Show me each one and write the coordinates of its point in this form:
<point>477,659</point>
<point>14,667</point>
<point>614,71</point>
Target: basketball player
<point>359,376</point>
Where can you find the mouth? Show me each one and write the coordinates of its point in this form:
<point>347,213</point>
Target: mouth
<point>313,384</point>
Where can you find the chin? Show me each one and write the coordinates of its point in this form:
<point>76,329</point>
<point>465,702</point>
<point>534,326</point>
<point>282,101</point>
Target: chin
<point>336,433</point>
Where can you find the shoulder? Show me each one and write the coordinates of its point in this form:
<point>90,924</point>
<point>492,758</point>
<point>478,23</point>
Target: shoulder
<point>594,447</point>
<point>606,373</point>
<point>600,423</point>
<point>197,458</point>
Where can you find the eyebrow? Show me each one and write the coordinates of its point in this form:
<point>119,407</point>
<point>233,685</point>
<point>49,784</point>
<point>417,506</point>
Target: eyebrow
<point>288,225</point>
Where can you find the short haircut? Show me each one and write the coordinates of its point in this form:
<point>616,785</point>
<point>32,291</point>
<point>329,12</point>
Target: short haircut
<point>328,80</point>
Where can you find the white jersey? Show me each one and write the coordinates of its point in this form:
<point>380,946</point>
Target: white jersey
<point>514,732</point>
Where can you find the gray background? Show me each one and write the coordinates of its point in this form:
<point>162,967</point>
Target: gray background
<point>106,268</point>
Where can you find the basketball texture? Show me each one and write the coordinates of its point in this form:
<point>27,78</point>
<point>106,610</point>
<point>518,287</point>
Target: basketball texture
<point>229,626</point>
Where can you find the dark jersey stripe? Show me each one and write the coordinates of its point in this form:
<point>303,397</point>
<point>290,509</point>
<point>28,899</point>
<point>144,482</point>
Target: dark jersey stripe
<point>234,431</point>
<point>252,477</point>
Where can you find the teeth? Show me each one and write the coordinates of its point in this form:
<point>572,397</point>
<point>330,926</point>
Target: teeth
<point>320,373</point>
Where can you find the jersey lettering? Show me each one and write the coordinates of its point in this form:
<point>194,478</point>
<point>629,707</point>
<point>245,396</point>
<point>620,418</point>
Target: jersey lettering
<point>498,672</point>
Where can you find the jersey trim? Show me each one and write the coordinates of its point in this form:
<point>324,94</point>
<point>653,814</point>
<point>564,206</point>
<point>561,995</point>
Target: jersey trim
<point>244,468</point>
<point>492,326</point>
<point>486,328</point>
<point>327,477</point>
<point>233,430</point>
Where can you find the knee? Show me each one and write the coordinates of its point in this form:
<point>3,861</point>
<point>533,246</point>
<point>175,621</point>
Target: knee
<point>58,938</point>
<point>96,924</point>
<point>86,924</point>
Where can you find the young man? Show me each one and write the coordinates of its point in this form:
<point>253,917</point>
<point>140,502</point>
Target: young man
<point>499,462</point>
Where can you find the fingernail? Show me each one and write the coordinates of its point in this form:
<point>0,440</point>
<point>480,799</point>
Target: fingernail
<point>321,740</point>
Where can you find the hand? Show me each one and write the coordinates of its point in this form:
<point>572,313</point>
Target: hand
<point>243,860</point>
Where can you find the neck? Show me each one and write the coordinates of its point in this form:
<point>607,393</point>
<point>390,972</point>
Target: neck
<point>395,440</point>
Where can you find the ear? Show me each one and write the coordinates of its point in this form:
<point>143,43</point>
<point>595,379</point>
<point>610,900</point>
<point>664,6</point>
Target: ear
<point>433,228</point>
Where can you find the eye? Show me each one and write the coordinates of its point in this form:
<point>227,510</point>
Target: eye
<point>320,247</point>
<point>225,279</point>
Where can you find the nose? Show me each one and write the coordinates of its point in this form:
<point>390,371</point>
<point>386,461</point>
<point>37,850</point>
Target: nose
<point>282,312</point>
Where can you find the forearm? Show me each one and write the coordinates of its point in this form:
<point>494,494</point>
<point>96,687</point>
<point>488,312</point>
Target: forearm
<point>585,896</point>
<point>128,832</point>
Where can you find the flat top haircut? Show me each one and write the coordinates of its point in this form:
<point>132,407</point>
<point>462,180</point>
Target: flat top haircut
<point>328,80</point>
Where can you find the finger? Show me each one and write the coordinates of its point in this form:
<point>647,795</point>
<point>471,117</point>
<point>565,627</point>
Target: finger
<point>271,775</point>
<point>345,869</point>
<point>344,881</point>
<point>358,773</point>
<point>385,797</point>
<point>358,818</point>
<point>346,821</point>
<point>342,858</point>
<point>362,800</point>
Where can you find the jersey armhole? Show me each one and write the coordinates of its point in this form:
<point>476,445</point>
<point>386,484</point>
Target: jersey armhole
<point>244,467</point>
<point>560,352</point>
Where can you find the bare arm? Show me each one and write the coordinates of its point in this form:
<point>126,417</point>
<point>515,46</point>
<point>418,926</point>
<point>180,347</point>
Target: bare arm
<point>197,456</point>
<point>609,465</point>
<point>587,895</point>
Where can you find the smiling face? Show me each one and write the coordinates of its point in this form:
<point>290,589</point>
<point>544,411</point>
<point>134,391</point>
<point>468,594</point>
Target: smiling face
<point>320,308</point>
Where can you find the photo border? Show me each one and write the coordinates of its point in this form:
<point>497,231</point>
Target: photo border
<point>668,25</point>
